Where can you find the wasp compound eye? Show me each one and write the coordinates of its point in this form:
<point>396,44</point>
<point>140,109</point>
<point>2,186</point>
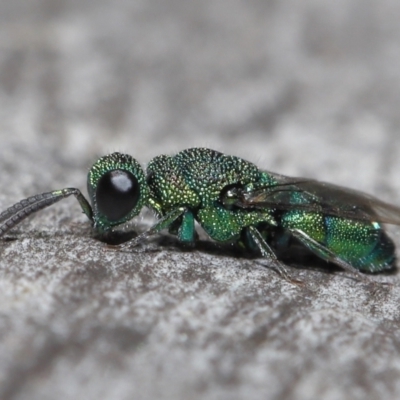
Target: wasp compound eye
<point>117,193</point>
<point>118,190</point>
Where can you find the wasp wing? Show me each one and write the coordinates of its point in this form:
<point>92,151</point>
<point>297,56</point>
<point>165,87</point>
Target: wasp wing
<point>314,196</point>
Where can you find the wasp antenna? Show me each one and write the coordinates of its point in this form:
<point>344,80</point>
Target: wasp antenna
<point>24,208</point>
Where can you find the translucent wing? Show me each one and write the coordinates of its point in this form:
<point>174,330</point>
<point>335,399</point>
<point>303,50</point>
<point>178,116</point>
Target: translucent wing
<point>311,195</point>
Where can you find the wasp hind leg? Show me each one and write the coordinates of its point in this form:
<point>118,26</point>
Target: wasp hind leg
<point>326,254</point>
<point>269,255</point>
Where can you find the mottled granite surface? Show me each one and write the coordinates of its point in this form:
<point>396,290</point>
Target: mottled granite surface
<point>302,88</point>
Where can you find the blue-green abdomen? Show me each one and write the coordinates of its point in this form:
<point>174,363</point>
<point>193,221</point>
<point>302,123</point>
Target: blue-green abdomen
<point>364,245</point>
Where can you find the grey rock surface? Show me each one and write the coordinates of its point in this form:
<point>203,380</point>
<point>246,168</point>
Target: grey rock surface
<point>302,88</point>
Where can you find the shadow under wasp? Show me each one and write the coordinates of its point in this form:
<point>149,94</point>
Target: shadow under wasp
<point>233,201</point>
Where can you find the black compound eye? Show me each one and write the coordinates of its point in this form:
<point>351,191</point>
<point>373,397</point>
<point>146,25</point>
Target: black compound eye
<point>117,194</point>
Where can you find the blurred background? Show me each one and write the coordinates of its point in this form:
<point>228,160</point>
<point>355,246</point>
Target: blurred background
<point>303,88</point>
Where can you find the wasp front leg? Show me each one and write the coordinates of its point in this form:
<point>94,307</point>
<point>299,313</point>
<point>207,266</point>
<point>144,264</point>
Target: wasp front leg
<point>186,231</point>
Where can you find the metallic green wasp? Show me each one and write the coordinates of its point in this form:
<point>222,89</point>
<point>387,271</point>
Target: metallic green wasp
<point>233,201</point>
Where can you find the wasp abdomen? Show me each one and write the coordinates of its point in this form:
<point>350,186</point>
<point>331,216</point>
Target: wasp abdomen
<point>362,244</point>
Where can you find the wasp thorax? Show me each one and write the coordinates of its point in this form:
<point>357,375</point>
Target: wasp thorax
<point>117,193</point>
<point>229,195</point>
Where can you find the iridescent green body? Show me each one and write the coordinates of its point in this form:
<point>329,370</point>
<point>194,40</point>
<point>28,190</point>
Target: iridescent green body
<point>233,201</point>
<point>195,178</point>
<point>363,245</point>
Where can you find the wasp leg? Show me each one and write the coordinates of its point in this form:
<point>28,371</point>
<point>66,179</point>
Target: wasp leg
<point>186,231</point>
<point>163,223</point>
<point>326,254</point>
<point>268,253</point>
<point>23,209</point>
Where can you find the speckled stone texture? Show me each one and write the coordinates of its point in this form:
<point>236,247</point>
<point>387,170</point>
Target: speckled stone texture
<point>306,88</point>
